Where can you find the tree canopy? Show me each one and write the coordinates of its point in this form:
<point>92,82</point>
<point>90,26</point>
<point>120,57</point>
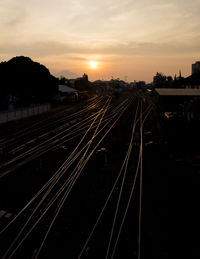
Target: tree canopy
<point>26,79</point>
<point>160,80</point>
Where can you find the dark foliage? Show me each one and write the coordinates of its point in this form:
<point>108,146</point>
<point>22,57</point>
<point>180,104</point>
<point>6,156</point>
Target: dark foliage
<point>160,81</point>
<point>27,80</point>
<point>81,84</point>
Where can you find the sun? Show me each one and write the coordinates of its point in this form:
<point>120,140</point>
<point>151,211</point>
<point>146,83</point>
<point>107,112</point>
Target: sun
<point>93,64</point>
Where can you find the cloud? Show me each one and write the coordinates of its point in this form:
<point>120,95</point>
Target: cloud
<point>82,52</point>
<point>67,33</point>
<point>77,58</point>
<point>83,21</point>
<point>11,14</point>
<point>41,49</point>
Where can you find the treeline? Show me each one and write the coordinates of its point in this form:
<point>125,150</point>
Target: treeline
<point>162,81</point>
<point>24,81</point>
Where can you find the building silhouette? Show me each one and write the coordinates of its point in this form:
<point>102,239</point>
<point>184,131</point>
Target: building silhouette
<point>196,68</point>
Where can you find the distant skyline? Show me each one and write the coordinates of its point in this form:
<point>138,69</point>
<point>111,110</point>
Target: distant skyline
<point>128,39</point>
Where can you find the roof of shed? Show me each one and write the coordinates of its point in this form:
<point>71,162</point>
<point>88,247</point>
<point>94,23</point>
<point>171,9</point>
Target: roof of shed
<point>66,89</point>
<point>177,92</point>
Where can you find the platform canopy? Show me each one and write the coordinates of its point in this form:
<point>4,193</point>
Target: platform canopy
<point>66,89</point>
<point>177,92</point>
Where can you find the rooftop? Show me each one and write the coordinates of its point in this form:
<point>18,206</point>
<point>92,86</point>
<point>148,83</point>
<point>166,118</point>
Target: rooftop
<point>66,89</point>
<point>177,92</point>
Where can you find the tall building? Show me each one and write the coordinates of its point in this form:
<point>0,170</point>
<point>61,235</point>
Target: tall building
<point>196,67</point>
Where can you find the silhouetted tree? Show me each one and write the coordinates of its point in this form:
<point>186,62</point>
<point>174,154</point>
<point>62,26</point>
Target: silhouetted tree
<point>64,81</point>
<point>4,79</point>
<point>26,79</point>
<point>160,81</point>
<point>82,84</point>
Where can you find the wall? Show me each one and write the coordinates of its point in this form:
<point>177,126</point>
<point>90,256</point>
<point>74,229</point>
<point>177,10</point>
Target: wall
<point>6,116</point>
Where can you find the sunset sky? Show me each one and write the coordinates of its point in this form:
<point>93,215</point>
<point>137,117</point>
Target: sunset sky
<point>126,38</point>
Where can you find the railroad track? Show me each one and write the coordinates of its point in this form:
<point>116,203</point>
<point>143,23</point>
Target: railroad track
<point>45,206</point>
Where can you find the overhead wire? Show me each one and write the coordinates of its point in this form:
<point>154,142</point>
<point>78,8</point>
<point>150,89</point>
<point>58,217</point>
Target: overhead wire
<point>80,168</point>
<point>21,231</point>
<point>21,133</point>
<point>55,175</point>
<point>43,147</point>
<point>123,181</point>
<point>149,108</point>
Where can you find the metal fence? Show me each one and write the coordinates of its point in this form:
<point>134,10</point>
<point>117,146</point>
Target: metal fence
<point>6,116</point>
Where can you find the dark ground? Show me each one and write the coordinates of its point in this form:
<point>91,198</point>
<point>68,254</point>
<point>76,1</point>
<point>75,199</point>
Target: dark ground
<point>184,186</point>
<point>173,191</point>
